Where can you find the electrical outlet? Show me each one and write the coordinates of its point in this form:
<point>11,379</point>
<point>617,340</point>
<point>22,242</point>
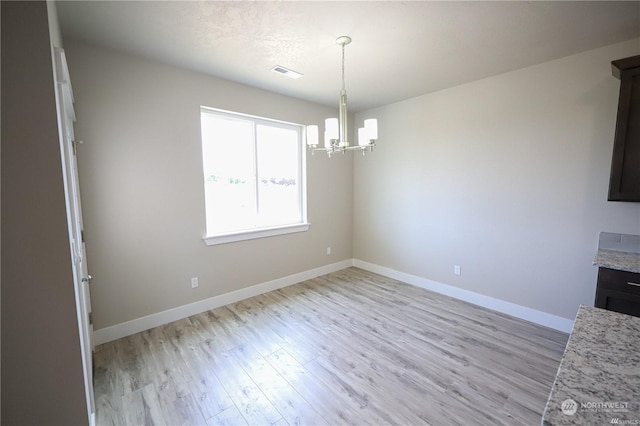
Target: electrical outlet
<point>328,251</point>
<point>456,269</point>
<point>194,282</point>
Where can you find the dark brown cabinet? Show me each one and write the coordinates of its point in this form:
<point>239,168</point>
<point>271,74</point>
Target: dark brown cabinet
<point>624,184</point>
<point>618,291</point>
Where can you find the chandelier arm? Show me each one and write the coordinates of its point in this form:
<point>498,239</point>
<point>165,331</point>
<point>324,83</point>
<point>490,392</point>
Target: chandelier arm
<point>336,148</point>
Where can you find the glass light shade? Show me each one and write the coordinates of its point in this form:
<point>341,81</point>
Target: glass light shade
<point>371,127</point>
<point>327,140</point>
<point>362,137</point>
<point>312,135</point>
<point>331,127</point>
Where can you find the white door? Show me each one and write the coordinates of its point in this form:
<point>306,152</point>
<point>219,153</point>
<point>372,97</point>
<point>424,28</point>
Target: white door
<point>81,277</point>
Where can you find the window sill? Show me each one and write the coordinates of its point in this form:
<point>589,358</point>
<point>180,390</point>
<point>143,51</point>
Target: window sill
<point>212,240</point>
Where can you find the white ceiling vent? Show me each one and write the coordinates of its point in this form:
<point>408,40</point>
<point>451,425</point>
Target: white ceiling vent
<point>286,72</point>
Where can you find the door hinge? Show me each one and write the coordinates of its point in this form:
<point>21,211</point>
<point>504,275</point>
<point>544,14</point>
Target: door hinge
<point>82,235</point>
<point>90,318</point>
<point>73,145</point>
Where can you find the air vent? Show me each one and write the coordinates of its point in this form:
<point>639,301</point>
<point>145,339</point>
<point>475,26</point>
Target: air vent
<point>286,72</point>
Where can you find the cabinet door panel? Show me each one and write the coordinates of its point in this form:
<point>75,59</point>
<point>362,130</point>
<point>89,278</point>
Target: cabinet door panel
<point>624,183</point>
<point>616,301</point>
<point>626,282</point>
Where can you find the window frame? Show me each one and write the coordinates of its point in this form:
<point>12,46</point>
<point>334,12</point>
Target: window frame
<point>269,231</point>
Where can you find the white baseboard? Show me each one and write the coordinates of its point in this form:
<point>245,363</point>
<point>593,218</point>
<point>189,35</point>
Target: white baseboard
<point>128,328</point>
<point>518,311</point>
<point>137,325</point>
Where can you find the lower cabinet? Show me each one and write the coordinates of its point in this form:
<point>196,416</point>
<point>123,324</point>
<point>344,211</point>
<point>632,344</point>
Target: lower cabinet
<point>618,291</point>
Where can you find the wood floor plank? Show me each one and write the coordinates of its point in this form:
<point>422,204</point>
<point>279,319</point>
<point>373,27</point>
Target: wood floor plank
<point>346,348</point>
<point>176,401</point>
<point>294,409</point>
<point>386,340</point>
<point>356,393</point>
<point>261,336</point>
<point>325,400</point>
<point>106,370</point>
<point>205,386</point>
<point>246,395</point>
<point>218,330</point>
<point>229,417</point>
<point>109,410</point>
<point>142,407</point>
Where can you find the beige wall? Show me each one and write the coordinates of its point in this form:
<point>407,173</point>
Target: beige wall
<point>142,190</point>
<point>506,177</point>
<point>42,380</point>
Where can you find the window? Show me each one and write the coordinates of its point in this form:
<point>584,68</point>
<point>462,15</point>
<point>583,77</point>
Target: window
<point>254,176</point>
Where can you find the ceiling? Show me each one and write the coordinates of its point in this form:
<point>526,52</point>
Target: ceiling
<point>400,49</point>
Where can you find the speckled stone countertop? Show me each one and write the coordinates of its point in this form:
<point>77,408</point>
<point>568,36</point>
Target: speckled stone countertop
<point>598,380</point>
<point>619,260</point>
<point>618,251</point>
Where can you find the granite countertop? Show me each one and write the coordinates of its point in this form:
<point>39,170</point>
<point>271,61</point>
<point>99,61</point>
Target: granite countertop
<point>618,251</point>
<point>619,260</point>
<point>598,380</point>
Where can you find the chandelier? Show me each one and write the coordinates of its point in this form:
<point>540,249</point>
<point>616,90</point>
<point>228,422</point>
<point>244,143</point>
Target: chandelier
<point>335,133</point>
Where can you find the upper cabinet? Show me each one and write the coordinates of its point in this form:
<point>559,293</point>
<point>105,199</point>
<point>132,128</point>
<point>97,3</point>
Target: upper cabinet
<point>624,184</point>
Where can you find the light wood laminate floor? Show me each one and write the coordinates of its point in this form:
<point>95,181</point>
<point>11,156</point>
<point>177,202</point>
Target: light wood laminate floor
<point>350,347</point>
